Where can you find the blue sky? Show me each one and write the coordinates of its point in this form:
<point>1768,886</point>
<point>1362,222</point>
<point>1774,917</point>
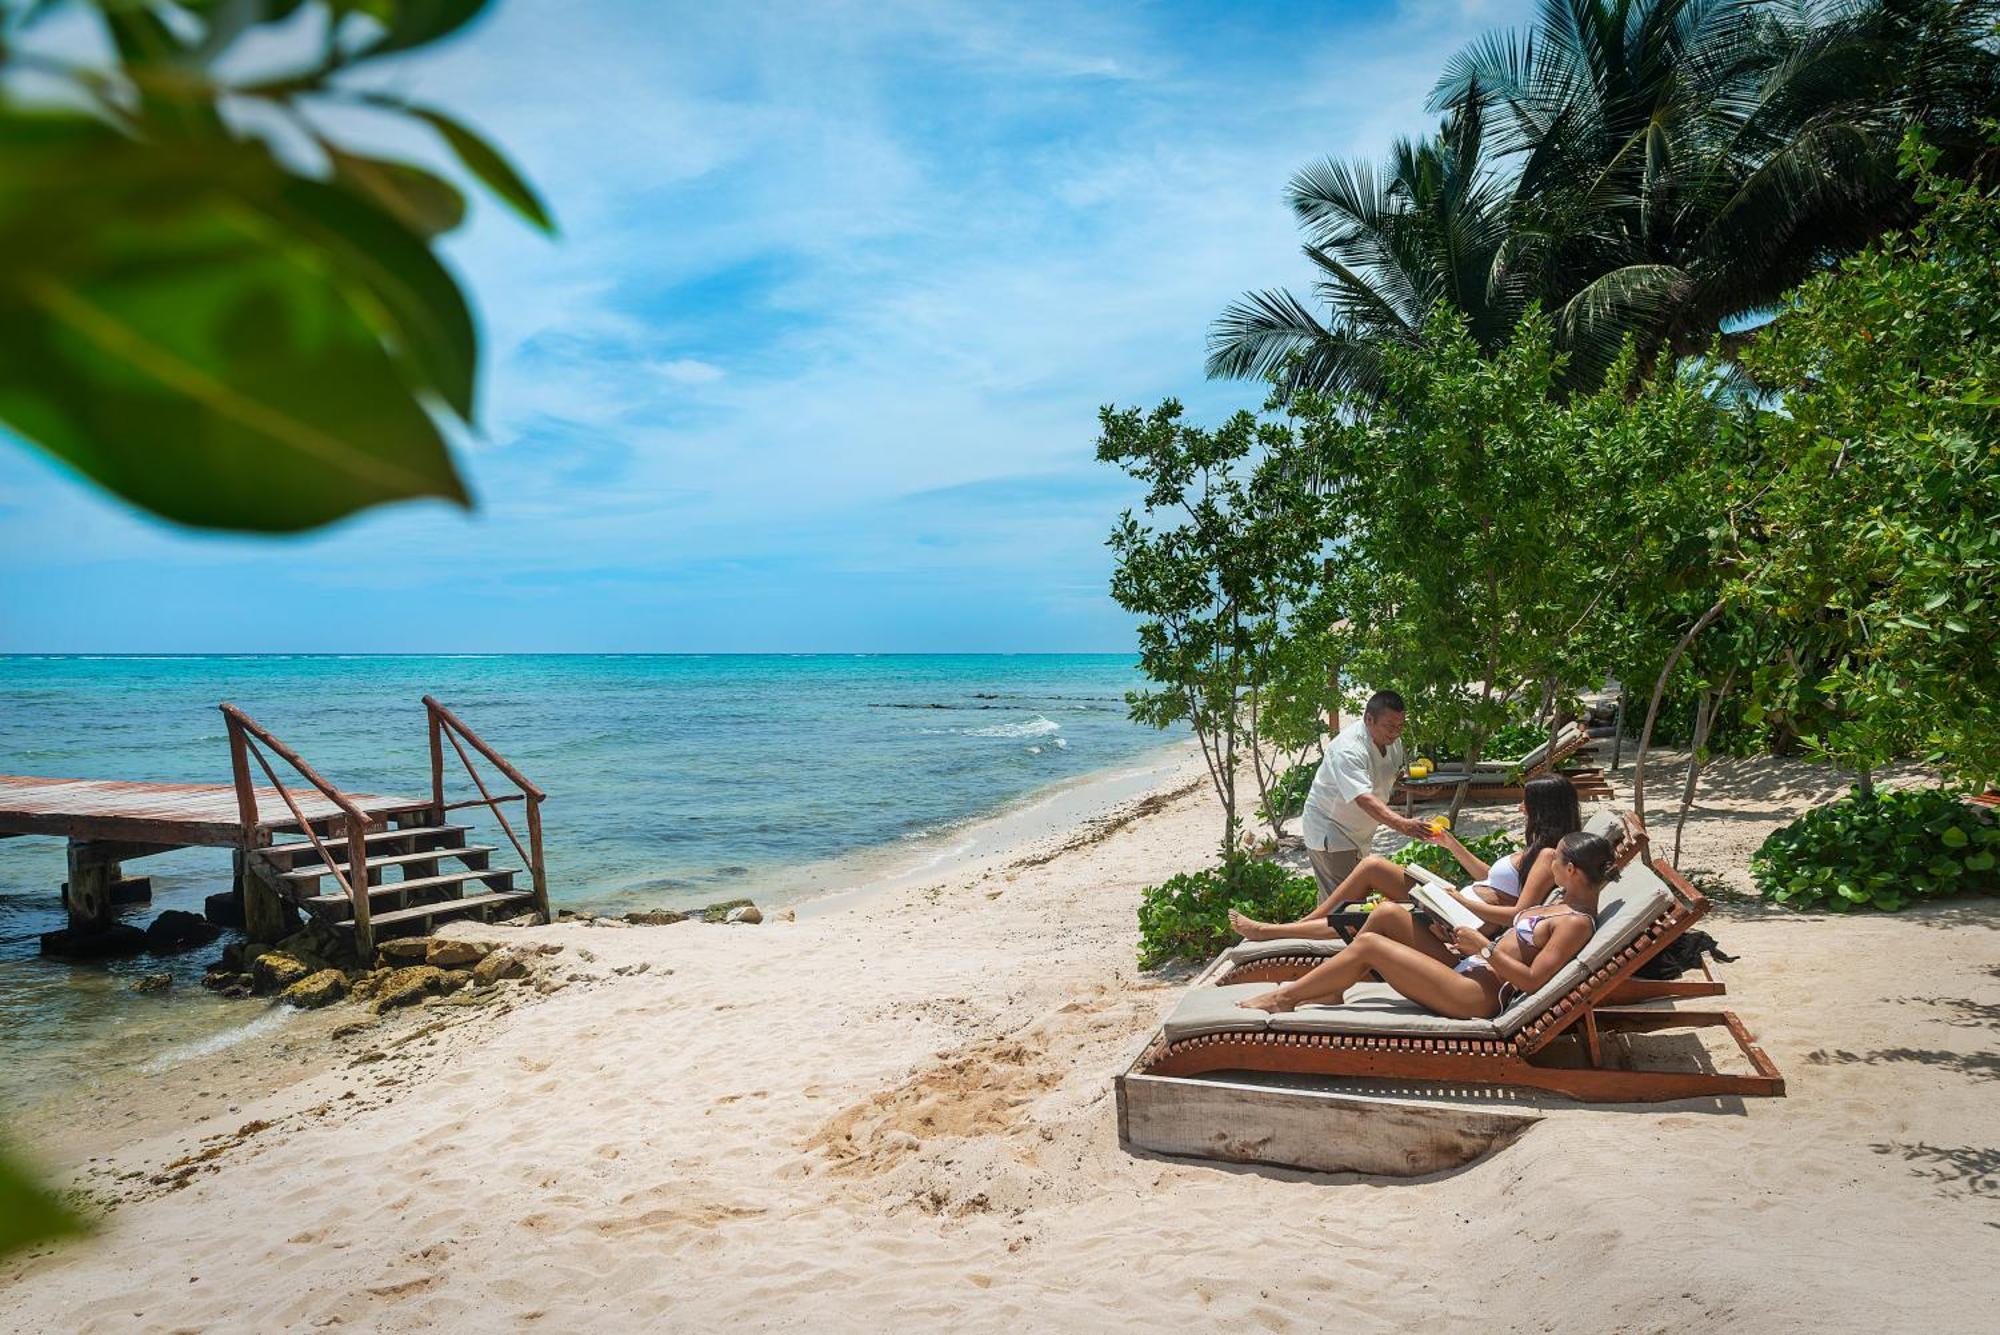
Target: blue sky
<point>816,362</point>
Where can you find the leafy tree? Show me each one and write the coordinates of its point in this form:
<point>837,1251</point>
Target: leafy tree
<point>209,304</point>
<point>1660,172</point>
<point>1884,503</point>
<point>1684,163</point>
<point>1459,570</point>
<point>1211,568</point>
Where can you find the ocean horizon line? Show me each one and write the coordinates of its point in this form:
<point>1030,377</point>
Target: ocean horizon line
<point>158,654</point>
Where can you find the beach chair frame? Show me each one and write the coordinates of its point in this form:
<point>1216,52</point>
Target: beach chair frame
<point>1575,1047</point>
<point>1488,783</point>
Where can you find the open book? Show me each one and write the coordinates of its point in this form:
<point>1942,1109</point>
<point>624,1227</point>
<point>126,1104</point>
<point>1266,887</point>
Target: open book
<point>1436,897</point>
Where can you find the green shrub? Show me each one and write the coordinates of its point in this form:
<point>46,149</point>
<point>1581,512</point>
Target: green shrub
<point>1880,852</point>
<point>1187,916</point>
<point>1506,742</point>
<point>1288,794</point>
<point>1488,848</point>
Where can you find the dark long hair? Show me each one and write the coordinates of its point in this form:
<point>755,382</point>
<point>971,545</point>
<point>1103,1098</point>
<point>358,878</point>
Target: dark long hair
<point>1552,813</point>
<point>1591,854</point>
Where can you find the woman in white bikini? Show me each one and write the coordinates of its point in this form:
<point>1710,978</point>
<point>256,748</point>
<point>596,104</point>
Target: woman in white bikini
<point>1479,978</point>
<point>1518,881</point>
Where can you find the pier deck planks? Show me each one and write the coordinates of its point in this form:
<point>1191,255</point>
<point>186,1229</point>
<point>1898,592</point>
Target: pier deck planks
<point>163,813</point>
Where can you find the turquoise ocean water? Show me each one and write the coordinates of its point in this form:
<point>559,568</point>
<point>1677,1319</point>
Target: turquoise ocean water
<point>672,780</point>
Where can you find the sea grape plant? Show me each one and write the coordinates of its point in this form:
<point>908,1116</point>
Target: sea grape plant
<point>1881,851</point>
<point>1186,917</point>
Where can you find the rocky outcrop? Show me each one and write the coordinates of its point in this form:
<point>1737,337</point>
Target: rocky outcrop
<point>316,990</point>
<point>501,964</point>
<point>275,970</point>
<point>153,982</point>
<point>720,912</point>
<point>177,929</point>
<point>747,914</point>
<point>224,909</point>
<point>456,954</point>
<point>113,942</point>
<point>403,950</point>
<point>655,917</point>
<point>408,986</point>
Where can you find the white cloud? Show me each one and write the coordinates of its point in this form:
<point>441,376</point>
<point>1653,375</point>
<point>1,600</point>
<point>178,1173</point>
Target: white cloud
<point>925,241</point>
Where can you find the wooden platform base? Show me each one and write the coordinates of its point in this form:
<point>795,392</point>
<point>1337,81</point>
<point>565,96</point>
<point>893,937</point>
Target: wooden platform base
<point>1317,1125</point>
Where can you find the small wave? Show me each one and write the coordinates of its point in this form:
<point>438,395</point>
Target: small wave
<point>1034,727</point>
<point>270,1020</point>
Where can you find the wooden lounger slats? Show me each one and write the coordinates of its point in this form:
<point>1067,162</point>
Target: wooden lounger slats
<point>1536,1057</point>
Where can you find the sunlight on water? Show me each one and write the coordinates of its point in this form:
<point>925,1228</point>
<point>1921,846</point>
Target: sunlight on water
<point>671,780</point>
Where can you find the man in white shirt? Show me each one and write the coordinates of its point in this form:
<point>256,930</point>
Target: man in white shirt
<point>1350,793</point>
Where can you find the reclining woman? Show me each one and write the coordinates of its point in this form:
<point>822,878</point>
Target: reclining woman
<point>1518,881</point>
<point>1482,977</point>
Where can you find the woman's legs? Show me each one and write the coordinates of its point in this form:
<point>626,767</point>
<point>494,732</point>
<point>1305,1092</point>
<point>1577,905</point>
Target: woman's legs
<point>1397,923</point>
<point>1372,875</point>
<point>1429,982</point>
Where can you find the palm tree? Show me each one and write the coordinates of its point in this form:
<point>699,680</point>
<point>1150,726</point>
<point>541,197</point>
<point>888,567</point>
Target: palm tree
<point>1676,168</point>
<point>1685,163</point>
<point>1389,245</point>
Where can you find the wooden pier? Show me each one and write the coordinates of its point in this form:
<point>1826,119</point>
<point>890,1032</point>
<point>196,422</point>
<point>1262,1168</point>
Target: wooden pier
<point>320,850</point>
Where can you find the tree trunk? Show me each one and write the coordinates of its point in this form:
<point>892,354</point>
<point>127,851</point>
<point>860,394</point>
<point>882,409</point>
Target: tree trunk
<point>1706,710</point>
<point>1262,772</point>
<point>1864,782</point>
<point>1653,707</point>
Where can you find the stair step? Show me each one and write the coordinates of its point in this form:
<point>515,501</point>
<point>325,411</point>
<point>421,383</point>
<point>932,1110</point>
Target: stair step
<point>388,888</point>
<point>444,907</point>
<point>316,870</point>
<point>337,843</point>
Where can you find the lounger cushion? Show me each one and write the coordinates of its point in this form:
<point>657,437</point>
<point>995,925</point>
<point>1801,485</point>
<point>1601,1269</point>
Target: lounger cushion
<point>1626,908</point>
<point>1629,905</point>
<point>1214,1010</point>
<point>1248,952</point>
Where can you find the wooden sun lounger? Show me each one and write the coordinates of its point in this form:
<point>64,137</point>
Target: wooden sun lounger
<point>1489,781</point>
<point>1291,960</point>
<point>1575,1043</point>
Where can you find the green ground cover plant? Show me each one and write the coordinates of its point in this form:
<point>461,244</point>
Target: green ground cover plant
<point>1186,917</point>
<point>1881,851</point>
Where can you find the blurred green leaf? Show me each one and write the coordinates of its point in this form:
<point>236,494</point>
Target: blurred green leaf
<point>427,204</point>
<point>172,343</point>
<point>28,1214</point>
<point>411,23</point>
<point>484,161</point>
<point>425,315</point>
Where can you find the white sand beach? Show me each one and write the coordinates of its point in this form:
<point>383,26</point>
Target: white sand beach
<point>898,1115</point>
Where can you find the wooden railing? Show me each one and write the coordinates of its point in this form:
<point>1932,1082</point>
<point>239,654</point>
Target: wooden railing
<point>448,727</point>
<point>247,740</point>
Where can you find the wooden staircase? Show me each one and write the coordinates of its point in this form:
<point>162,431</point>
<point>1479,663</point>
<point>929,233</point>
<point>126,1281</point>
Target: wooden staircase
<point>366,879</point>
<point>417,875</point>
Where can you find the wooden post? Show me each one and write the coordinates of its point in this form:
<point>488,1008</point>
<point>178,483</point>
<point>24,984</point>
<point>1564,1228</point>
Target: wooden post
<point>536,867</point>
<point>437,758</point>
<point>267,918</point>
<point>92,872</point>
<point>357,883</point>
<point>239,767</point>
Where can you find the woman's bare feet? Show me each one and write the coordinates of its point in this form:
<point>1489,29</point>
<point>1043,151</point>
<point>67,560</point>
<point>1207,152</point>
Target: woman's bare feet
<point>1275,1001</point>
<point>1250,929</point>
